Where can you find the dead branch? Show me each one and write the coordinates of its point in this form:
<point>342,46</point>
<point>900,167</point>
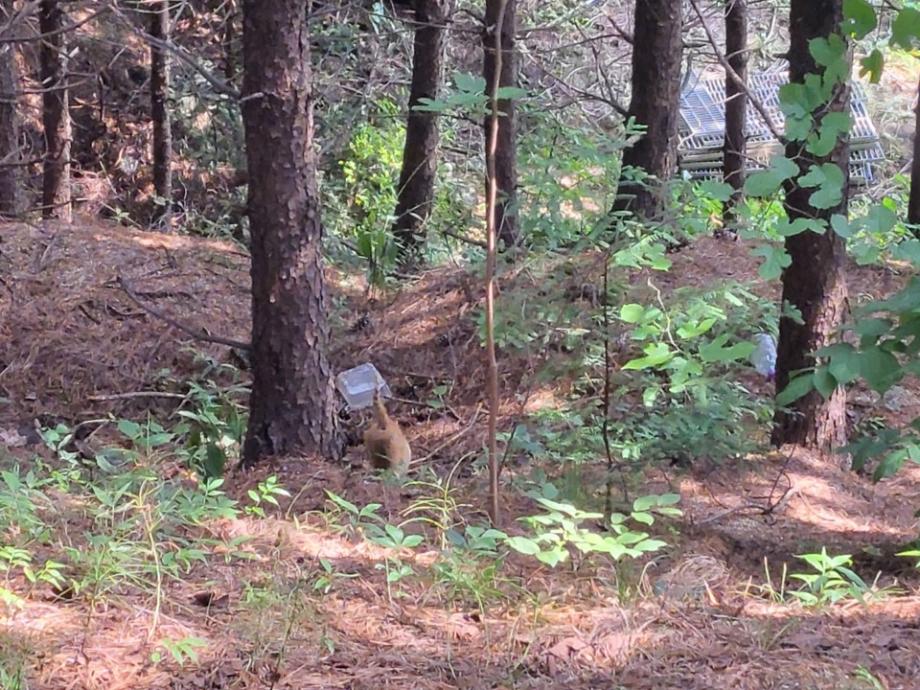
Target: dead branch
<point>197,334</point>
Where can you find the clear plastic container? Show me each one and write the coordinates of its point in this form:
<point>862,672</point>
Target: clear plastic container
<point>357,386</point>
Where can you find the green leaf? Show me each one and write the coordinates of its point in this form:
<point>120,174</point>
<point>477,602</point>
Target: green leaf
<point>872,328</point>
<point>128,428</point>
<point>214,462</point>
<point>873,65</point>
<point>908,250</point>
<point>843,362</point>
<point>827,51</point>
<point>632,313</point>
<point>342,503</point>
<point>471,83</point>
<point>829,179</point>
<point>775,260</point>
<point>799,225</point>
<point>553,557</point>
<point>693,330</point>
<point>831,53</point>
<point>879,368</point>
<point>868,447</point>
<point>859,18</point>
<point>890,464</point>
<point>879,220</point>
<point>643,503</point>
<point>825,383</point>
<point>768,182</point>
<point>832,127</point>
<point>798,388</point>
<point>650,545</point>
<point>512,93</point>
<point>644,518</point>
<point>523,545</point>
<point>720,191</point>
<point>717,352</point>
<point>655,355</point>
<point>842,226</point>
<point>905,29</point>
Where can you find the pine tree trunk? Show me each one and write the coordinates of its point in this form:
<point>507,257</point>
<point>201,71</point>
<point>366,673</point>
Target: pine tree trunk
<point>56,198</point>
<point>11,196</point>
<point>159,108</point>
<point>913,206</point>
<point>655,103</point>
<point>292,405</point>
<point>815,282</point>
<point>506,218</point>
<point>420,154</point>
<point>736,103</point>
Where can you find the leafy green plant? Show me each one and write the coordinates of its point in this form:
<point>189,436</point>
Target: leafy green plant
<point>359,519</point>
<point>217,426</point>
<point>436,506</point>
<point>182,650</point>
<point>20,495</point>
<point>266,492</point>
<point>561,527</point>
<point>831,580</point>
<point>369,170</point>
<point>477,540</point>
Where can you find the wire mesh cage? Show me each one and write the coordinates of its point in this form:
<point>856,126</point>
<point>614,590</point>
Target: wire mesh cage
<point>702,127</point>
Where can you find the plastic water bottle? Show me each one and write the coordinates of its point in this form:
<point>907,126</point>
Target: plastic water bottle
<point>764,356</point>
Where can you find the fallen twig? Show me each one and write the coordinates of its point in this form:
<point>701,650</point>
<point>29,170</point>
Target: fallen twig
<point>135,394</point>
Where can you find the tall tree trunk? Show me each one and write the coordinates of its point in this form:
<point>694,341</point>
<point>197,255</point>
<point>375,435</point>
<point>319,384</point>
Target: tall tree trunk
<point>815,281</point>
<point>736,103</point>
<point>11,196</point>
<point>655,102</point>
<point>56,199</point>
<point>913,206</point>
<point>292,405</point>
<point>506,218</point>
<point>159,108</point>
<point>420,154</point>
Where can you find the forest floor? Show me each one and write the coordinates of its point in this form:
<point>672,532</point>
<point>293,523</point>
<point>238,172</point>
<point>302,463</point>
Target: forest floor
<point>75,347</point>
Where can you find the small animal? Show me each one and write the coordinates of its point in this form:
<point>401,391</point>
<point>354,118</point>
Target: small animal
<point>386,444</point>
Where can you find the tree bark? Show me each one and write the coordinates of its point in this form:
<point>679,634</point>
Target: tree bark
<point>655,103</point>
<point>56,195</point>
<point>159,108</point>
<point>506,217</point>
<point>815,281</point>
<point>736,104</point>
<point>913,206</point>
<point>420,154</point>
<point>292,405</point>
<point>11,196</point>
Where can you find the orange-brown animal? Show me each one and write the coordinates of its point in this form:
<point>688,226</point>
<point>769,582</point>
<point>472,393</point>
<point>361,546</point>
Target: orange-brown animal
<point>385,442</point>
